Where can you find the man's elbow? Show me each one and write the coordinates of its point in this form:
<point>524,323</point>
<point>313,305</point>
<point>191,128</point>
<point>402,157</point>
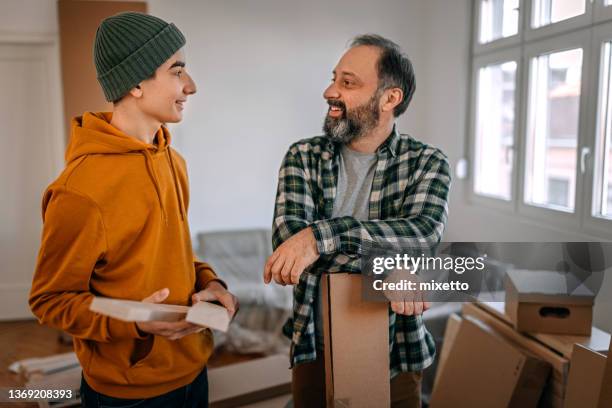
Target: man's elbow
<point>432,231</point>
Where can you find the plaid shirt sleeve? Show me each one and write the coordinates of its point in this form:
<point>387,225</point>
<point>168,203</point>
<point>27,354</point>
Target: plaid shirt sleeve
<point>294,209</point>
<point>421,218</point>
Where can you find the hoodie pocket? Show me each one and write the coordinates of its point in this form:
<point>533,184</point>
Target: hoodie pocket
<point>142,349</point>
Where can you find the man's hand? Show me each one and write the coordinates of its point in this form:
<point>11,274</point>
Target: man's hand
<point>290,259</point>
<point>216,291</point>
<point>406,303</point>
<point>410,307</point>
<point>171,330</point>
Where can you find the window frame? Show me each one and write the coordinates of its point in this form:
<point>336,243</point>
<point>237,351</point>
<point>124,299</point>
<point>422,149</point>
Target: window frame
<point>573,23</point>
<point>601,12</point>
<point>573,40</point>
<point>592,224</point>
<point>479,62</point>
<point>500,42</point>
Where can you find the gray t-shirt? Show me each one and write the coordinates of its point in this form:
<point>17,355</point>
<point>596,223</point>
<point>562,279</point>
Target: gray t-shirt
<point>355,176</point>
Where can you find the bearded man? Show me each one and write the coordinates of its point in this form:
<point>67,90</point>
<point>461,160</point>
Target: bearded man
<point>361,185</point>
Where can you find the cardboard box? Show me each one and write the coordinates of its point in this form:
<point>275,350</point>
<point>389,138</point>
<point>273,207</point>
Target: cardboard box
<point>598,341</point>
<point>585,378</point>
<point>554,390</point>
<point>356,337</point>
<point>452,327</point>
<point>485,370</point>
<point>538,301</point>
<point>202,313</point>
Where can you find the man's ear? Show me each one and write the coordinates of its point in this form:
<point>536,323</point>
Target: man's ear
<point>136,92</point>
<point>391,98</point>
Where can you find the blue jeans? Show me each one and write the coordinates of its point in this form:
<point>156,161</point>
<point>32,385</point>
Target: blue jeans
<point>194,395</point>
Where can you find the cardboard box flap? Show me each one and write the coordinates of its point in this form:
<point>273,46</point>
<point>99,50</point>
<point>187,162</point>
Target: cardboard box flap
<point>548,287</point>
<point>585,378</point>
<point>452,327</point>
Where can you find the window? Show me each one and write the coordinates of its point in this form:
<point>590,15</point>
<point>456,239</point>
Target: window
<point>495,129</point>
<point>603,163</point>
<point>540,135</point>
<point>552,130</point>
<point>498,19</point>
<point>545,12</point>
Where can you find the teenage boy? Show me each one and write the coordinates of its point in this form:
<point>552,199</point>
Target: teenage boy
<point>115,225</point>
<point>363,185</point>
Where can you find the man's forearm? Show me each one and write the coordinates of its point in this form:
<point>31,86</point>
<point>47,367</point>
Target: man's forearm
<point>351,236</point>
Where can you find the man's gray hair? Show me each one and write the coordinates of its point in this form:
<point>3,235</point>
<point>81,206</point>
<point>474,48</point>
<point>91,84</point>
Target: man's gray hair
<point>394,68</point>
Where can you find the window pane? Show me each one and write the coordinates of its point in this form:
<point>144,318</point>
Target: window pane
<point>498,19</point>
<point>552,11</point>
<point>495,130</point>
<point>558,191</point>
<point>552,134</point>
<point>603,162</point>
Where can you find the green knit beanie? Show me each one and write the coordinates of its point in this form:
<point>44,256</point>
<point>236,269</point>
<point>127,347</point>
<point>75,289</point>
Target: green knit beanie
<point>129,47</point>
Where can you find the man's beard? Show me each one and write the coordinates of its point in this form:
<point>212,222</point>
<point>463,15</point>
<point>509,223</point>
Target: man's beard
<point>352,124</point>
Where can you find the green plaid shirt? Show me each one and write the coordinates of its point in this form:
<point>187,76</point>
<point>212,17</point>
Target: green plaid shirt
<point>407,205</point>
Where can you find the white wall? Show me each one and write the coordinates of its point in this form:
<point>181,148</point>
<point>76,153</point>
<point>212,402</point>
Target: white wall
<point>261,68</point>
<point>33,154</point>
<point>28,16</point>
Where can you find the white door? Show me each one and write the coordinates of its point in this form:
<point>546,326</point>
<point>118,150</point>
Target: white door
<point>31,151</point>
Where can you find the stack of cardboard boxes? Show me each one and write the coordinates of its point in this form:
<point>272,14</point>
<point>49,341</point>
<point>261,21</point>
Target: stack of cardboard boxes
<point>536,349</point>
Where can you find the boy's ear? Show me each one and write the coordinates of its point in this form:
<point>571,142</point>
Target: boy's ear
<point>136,92</point>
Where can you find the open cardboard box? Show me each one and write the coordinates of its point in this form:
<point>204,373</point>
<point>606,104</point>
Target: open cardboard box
<point>538,301</point>
<point>554,390</point>
<point>356,337</point>
<point>482,369</point>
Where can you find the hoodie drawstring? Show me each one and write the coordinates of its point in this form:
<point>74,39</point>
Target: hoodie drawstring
<point>176,185</point>
<point>155,179</point>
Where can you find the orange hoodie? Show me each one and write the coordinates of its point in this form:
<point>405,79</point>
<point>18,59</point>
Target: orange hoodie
<point>115,225</point>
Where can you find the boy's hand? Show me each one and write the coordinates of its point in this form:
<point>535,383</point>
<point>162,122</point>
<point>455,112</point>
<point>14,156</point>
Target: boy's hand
<point>216,291</point>
<point>171,330</point>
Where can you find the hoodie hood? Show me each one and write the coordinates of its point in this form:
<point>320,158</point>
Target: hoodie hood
<point>92,133</point>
